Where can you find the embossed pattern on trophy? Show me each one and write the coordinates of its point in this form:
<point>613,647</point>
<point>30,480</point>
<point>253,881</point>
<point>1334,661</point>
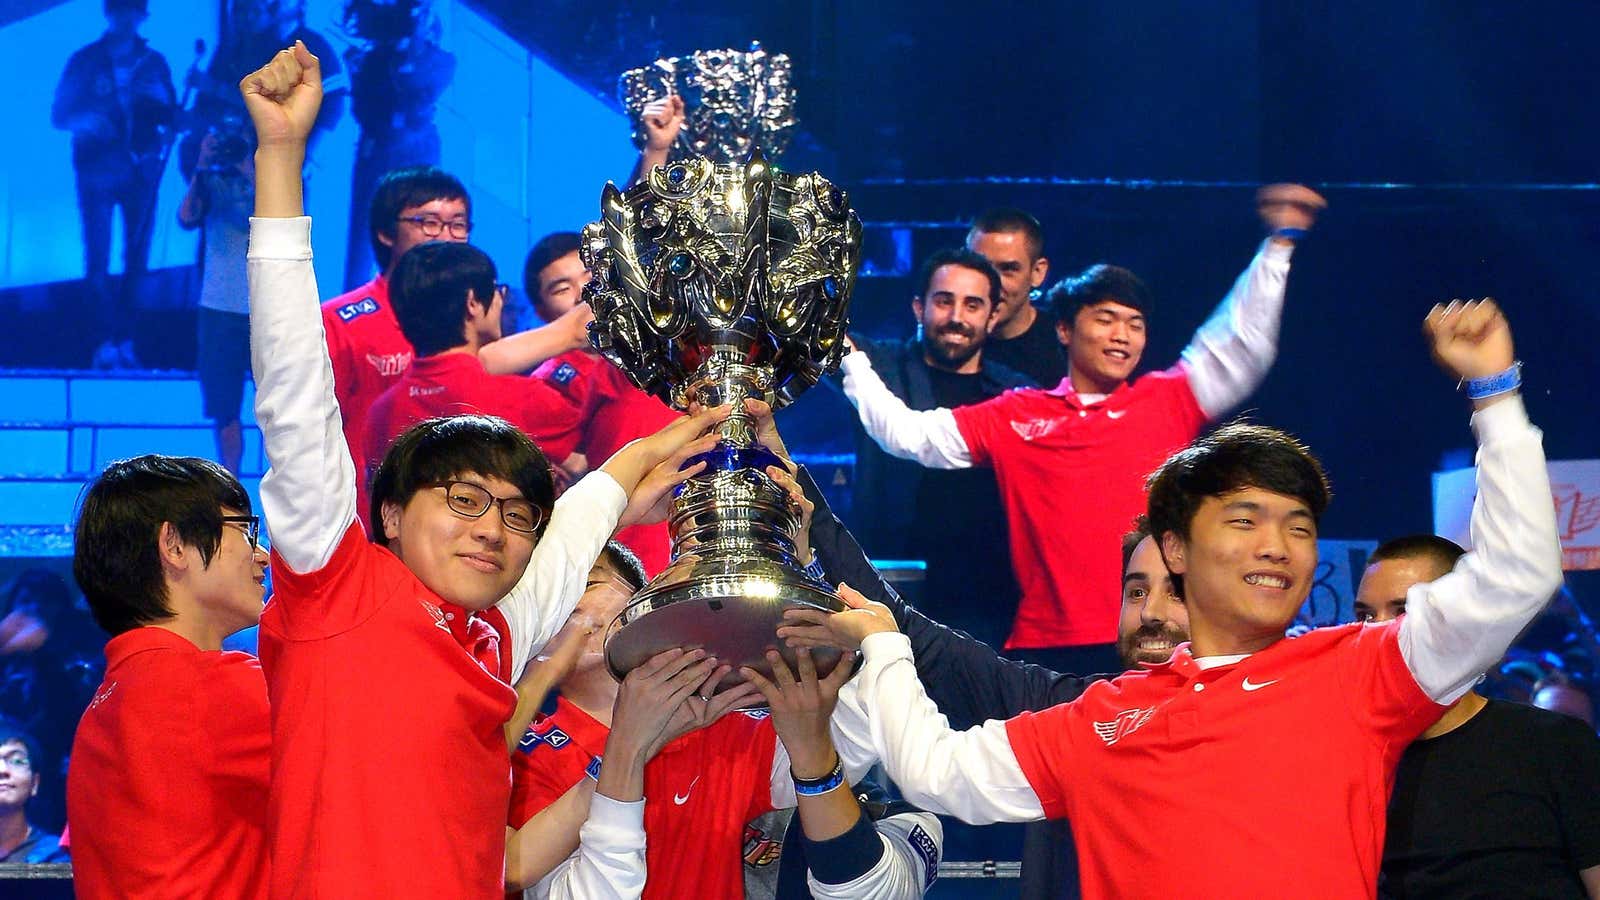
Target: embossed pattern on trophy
<point>712,284</point>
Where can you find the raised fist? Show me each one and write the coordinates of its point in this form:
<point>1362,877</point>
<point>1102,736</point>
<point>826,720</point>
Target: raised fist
<point>1471,338</point>
<point>663,119</point>
<point>283,97</point>
<point>1289,206</point>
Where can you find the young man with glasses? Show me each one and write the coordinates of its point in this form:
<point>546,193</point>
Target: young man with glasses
<point>449,305</point>
<point>20,773</point>
<point>369,648</point>
<point>411,206</point>
<point>167,790</point>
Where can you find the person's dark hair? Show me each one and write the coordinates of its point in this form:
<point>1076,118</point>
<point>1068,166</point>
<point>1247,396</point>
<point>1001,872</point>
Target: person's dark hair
<point>550,248</point>
<point>429,293</point>
<point>401,189</point>
<point>626,563</point>
<point>1093,285</point>
<point>1236,456</point>
<point>1011,219</point>
<point>41,590</point>
<point>1441,552</point>
<point>13,733</point>
<point>453,446</point>
<point>967,259</point>
<point>1130,541</point>
<point>116,559</point>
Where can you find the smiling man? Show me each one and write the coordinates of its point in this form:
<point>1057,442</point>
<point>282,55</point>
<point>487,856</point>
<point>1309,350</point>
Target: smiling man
<point>1087,443</point>
<point>1281,753</point>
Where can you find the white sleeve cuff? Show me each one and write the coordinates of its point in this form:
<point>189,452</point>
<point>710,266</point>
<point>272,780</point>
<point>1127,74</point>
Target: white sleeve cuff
<point>1499,421</point>
<point>280,238</point>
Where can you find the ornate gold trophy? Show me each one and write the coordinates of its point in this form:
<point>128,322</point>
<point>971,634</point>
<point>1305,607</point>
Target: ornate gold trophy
<point>714,283</point>
<point>735,101</point>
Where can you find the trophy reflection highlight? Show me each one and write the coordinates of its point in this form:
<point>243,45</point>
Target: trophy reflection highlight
<point>713,284</point>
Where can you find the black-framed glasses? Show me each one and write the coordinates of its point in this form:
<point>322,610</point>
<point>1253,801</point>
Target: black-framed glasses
<point>252,528</point>
<point>471,500</point>
<point>432,227</point>
<point>503,289</point>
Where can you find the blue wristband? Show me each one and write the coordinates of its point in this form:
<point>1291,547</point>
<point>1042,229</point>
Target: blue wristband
<point>815,571</point>
<point>1289,234</point>
<point>593,769</point>
<point>1496,384</point>
<point>812,787</point>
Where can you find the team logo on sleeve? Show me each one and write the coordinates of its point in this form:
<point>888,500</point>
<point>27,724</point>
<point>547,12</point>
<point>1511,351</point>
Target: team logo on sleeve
<point>389,364</point>
<point>928,849</point>
<point>362,307</point>
<point>564,374</point>
<point>1125,723</point>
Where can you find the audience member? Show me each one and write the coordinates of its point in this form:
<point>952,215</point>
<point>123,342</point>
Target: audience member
<point>1021,337</point>
<point>21,765</point>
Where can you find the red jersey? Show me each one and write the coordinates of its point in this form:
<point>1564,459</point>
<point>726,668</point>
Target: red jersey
<point>1072,479</point>
<point>1275,770</point>
<point>612,412</point>
<point>369,353</point>
<point>368,668</point>
<point>167,791</point>
<point>699,793</point>
<point>448,384</point>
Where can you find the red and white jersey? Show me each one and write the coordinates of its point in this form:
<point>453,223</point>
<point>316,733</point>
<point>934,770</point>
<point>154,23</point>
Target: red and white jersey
<point>167,791</point>
<point>1276,765</point>
<point>612,412</point>
<point>449,384</point>
<point>1071,469</point>
<point>1072,477</point>
<point>699,793</point>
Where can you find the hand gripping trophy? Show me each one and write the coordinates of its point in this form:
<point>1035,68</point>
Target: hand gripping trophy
<point>712,284</point>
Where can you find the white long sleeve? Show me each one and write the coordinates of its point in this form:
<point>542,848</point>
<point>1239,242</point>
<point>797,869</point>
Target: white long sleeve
<point>913,843</point>
<point>609,862</point>
<point>542,599</point>
<point>929,436</point>
<point>972,775</point>
<point>1229,355</point>
<point>851,732</point>
<point>1459,625</point>
<point>308,494</point>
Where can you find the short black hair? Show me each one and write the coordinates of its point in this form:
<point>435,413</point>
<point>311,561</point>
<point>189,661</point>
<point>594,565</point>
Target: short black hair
<point>429,293</point>
<point>42,590</point>
<point>1237,455</point>
<point>116,559</point>
<point>401,189</point>
<point>1011,219</point>
<point>1098,283</point>
<point>452,446</point>
<point>13,733</point>
<point>967,259</point>
<point>1131,540</point>
<point>550,248</point>
<point>626,563</point>
<point>1442,552</point>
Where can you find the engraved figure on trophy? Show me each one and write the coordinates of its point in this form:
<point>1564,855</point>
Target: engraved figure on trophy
<point>714,283</point>
<point>736,102</point>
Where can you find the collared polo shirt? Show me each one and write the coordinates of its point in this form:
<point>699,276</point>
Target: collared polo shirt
<point>699,793</point>
<point>389,773</point>
<point>167,791</point>
<point>1273,772</point>
<point>1072,478</point>
<point>612,412</point>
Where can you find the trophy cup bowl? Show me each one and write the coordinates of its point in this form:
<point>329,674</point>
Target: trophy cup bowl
<point>712,284</point>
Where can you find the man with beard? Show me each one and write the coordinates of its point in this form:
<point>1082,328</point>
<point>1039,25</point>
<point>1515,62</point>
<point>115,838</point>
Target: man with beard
<point>902,510</point>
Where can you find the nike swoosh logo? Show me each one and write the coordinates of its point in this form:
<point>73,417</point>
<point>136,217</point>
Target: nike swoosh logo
<point>1258,685</point>
<point>1116,413</point>
<point>681,799</point>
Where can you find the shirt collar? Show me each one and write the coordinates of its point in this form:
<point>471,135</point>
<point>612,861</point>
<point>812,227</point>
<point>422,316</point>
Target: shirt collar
<point>1068,393</point>
<point>137,640</point>
<point>441,363</point>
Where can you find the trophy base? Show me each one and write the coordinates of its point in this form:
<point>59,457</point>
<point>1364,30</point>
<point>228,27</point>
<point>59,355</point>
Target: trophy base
<point>731,608</point>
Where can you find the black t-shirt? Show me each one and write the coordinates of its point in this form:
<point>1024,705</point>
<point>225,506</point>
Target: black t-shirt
<point>1505,806</point>
<point>1036,353</point>
<point>961,531</point>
